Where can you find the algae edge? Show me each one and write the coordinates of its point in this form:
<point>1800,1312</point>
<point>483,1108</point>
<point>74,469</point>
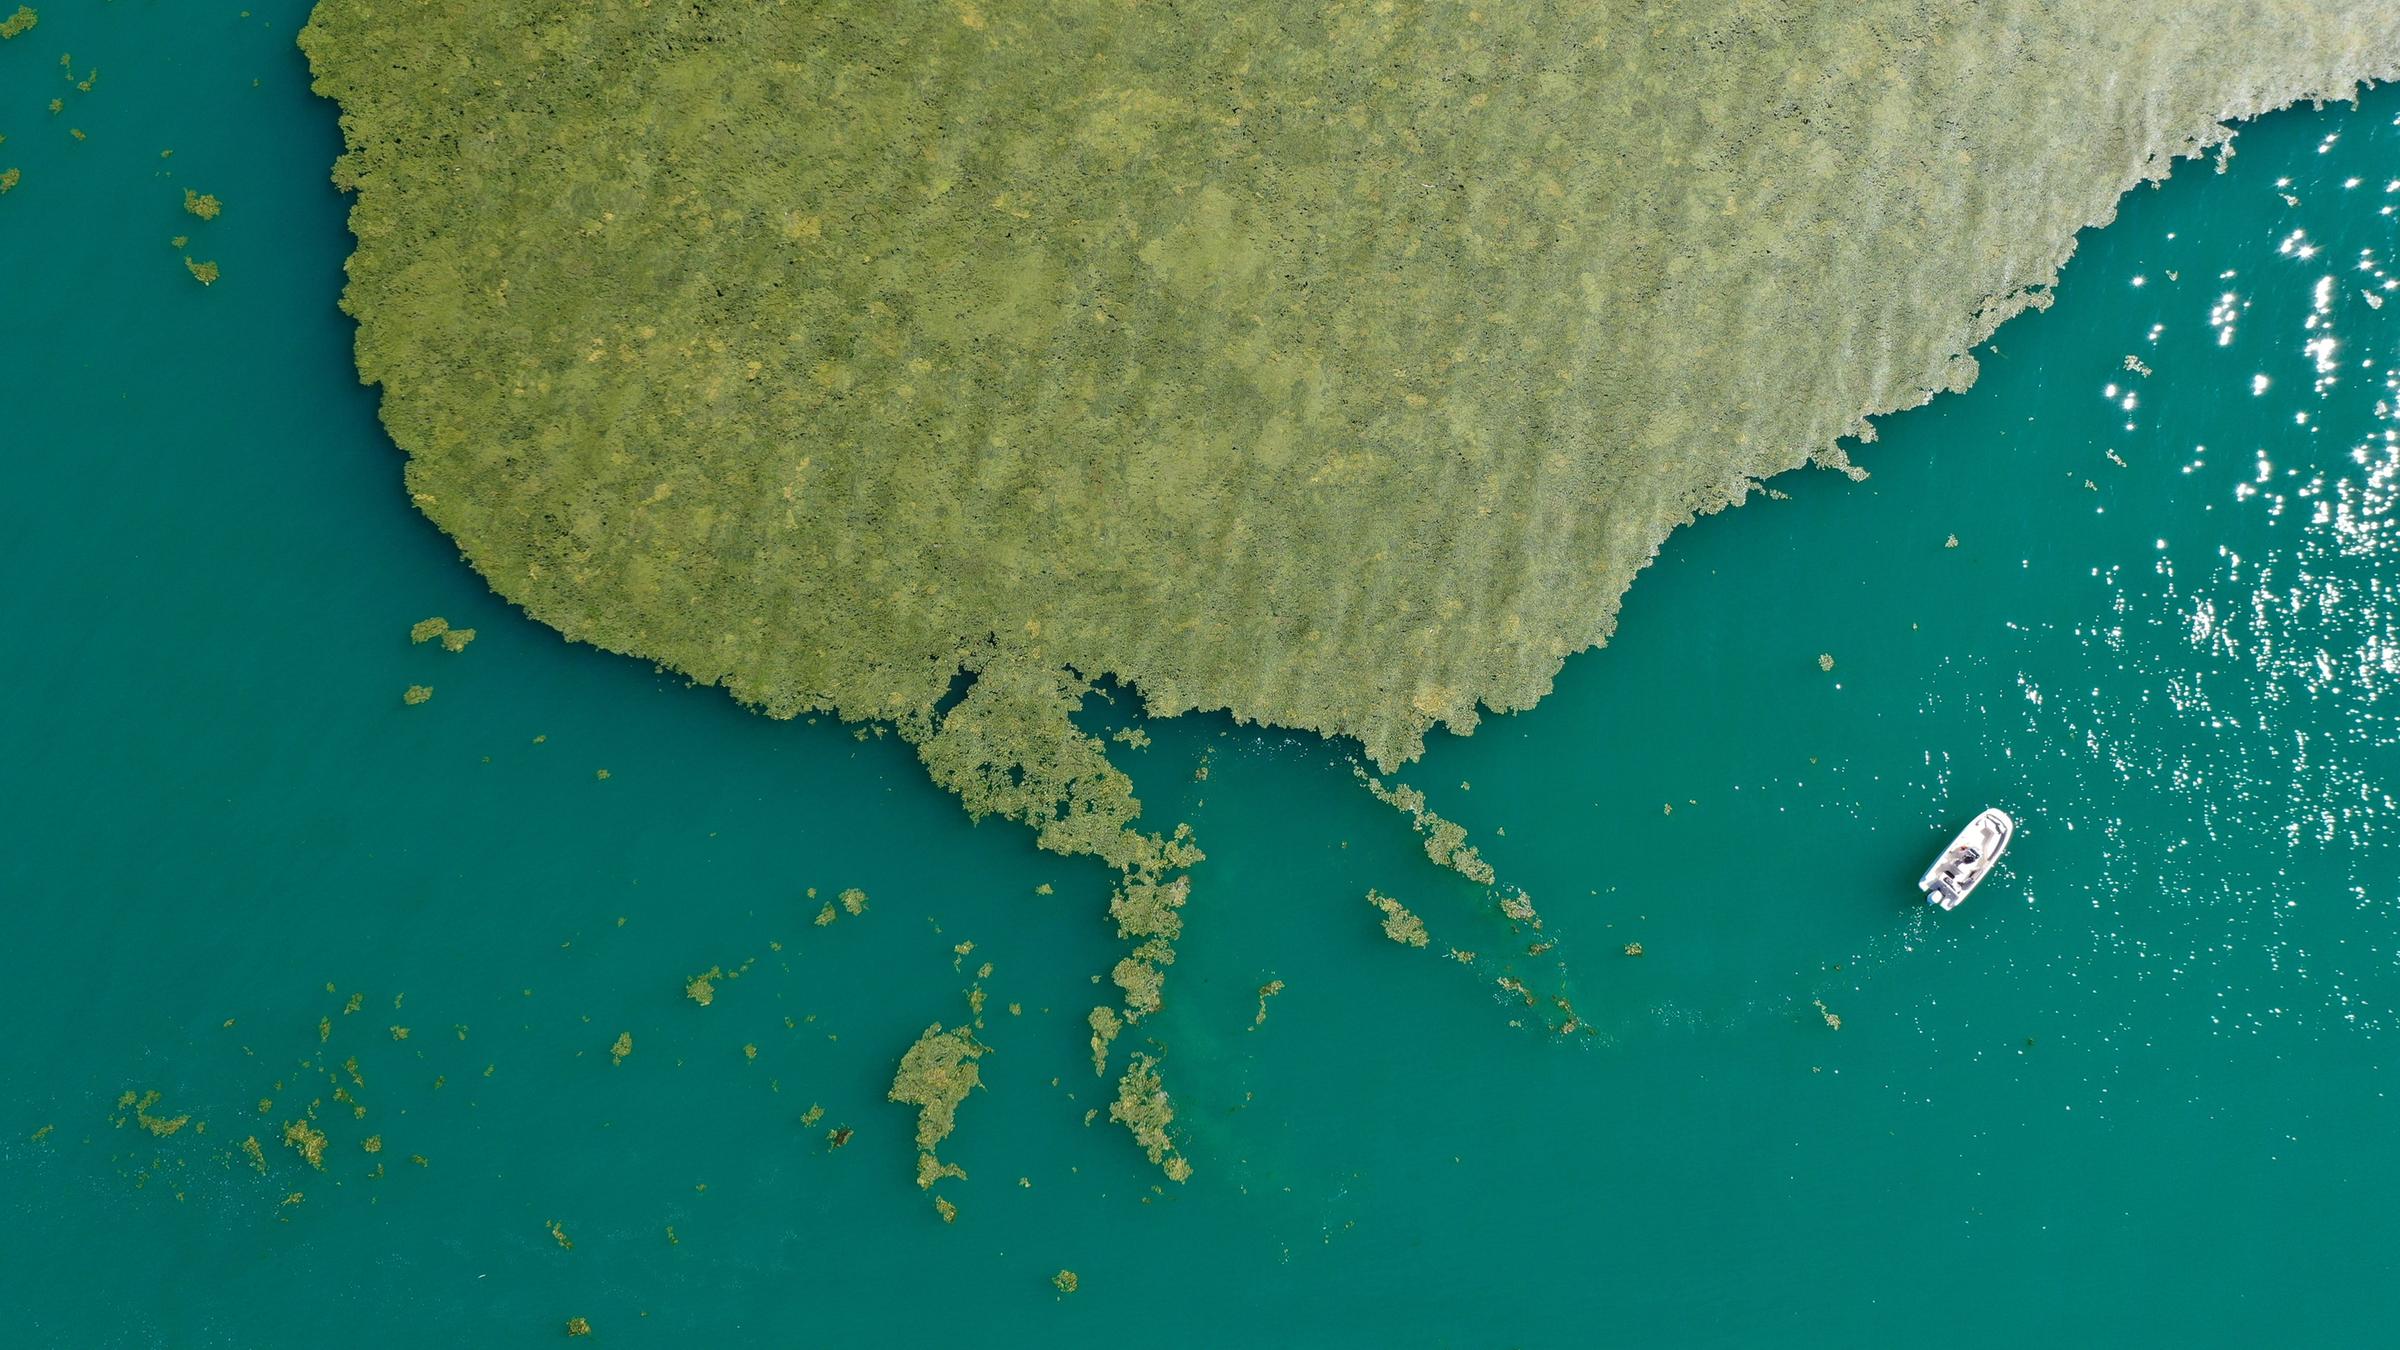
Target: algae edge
<point>1336,366</point>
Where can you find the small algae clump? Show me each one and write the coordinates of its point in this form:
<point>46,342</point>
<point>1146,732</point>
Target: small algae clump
<point>453,639</point>
<point>854,901</point>
<point>1265,991</point>
<point>8,180</point>
<point>1142,1107</point>
<point>203,272</point>
<point>1519,908</point>
<point>623,1047</point>
<point>201,204</point>
<point>1146,908</point>
<point>1398,924</point>
<point>1147,911</point>
<point>137,1109</point>
<point>935,1075</point>
<point>702,988</point>
<point>1066,1282</point>
<point>306,1140</point>
<point>21,21</point>
<point>1105,1026</point>
<point>1142,982</point>
<point>577,1326</point>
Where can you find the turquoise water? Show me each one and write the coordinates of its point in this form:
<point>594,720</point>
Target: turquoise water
<point>2133,1093</point>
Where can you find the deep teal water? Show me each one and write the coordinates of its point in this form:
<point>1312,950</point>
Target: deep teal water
<point>2135,1093</point>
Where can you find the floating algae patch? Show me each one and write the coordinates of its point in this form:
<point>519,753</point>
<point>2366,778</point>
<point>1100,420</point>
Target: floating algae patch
<point>1142,1107</point>
<point>136,1110</point>
<point>1335,365</point>
<point>1399,924</point>
<point>1265,991</point>
<point>306,1140</point>
<point>1338,365</point>
<point>1148,913</point>
<point>935,1075</point>
<point>1106,1025</point>
<point>1445,840</point>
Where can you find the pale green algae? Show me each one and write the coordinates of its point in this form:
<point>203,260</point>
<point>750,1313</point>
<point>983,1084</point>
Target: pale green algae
<point>1337,365</point>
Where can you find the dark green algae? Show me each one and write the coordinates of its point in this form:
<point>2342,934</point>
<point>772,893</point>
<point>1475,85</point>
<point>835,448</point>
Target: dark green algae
<point>1336,365</point>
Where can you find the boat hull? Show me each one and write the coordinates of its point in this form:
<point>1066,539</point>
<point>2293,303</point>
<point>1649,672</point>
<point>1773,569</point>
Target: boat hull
<point>1960,868</point>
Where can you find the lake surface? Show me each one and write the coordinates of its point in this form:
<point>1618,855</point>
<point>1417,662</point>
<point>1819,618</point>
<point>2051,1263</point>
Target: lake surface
<point>2134,1092</point>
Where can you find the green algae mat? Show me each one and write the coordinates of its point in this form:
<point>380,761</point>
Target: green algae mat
<point>1335,365</point>
<point>491,989</point>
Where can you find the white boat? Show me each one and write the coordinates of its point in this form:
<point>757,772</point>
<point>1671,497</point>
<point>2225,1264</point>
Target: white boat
<point>1953,876</point>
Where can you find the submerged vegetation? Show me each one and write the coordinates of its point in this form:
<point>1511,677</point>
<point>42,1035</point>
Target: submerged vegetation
<point>1330,365</point>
